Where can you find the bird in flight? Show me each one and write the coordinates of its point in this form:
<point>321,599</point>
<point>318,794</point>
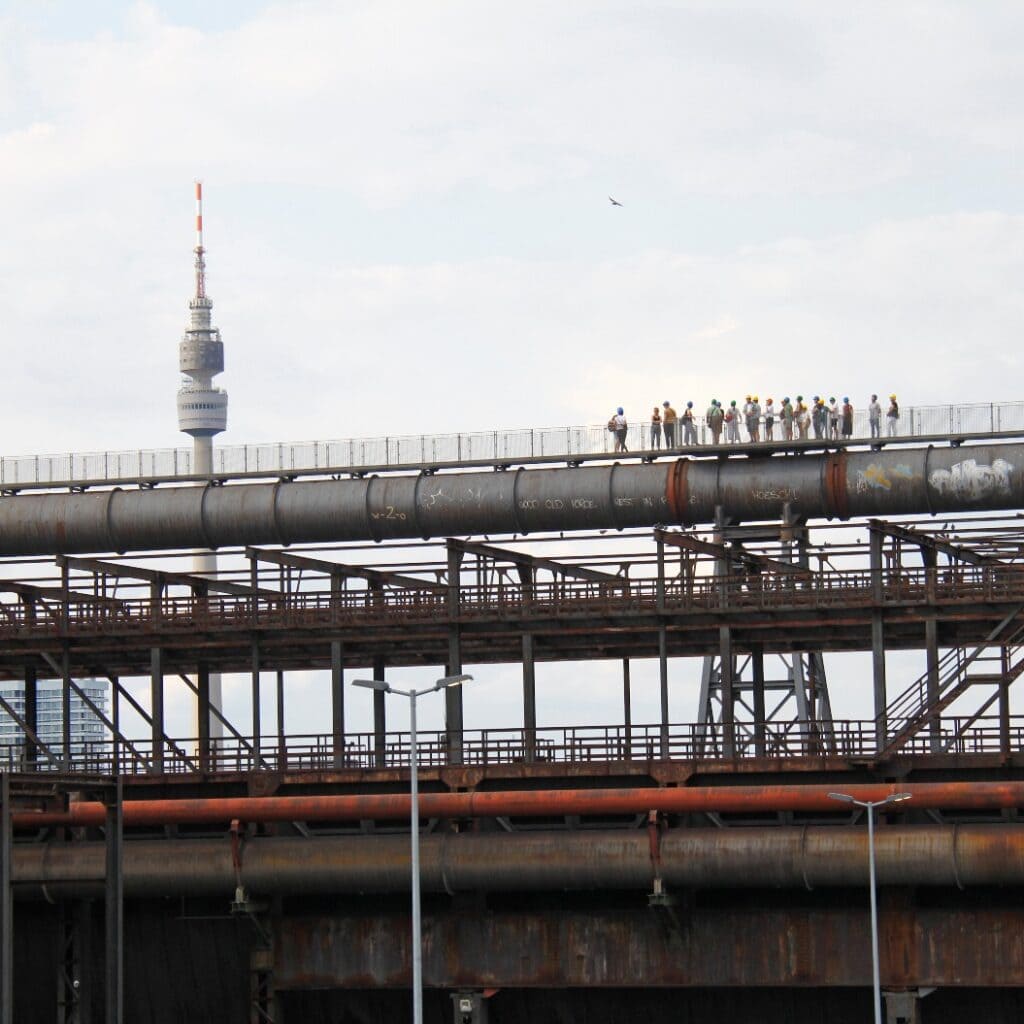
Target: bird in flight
<point>614,202</point>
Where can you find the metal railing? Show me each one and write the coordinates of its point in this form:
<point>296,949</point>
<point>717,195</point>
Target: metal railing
<point>961,585</point>
<point>451,449</point>
<point>575,745</point>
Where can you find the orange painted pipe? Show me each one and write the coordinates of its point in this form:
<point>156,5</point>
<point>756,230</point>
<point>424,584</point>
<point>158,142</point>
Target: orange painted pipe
<point>548,803</point>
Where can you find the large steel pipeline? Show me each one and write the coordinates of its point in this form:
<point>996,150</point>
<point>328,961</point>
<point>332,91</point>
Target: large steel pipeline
<point>526,803</point>
<point>762,857</point>
<point>894,481</point>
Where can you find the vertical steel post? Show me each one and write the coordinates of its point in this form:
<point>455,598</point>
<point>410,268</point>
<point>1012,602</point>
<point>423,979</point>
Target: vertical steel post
<point>931,639</point>
<point>875,973</point>
<point>65,704</point>
<point>380,717</point>
<point>115,908</point>
<point>282,752</point>
<point>760,713</point>
<point>156,699</point>
<point>529,701</point>
<point>337,705</point>
<point>414,836</point>
<point>115,719</point>
<point>453,694</point>
<point>6,905</point>
<point>878,641</point>
<point>257,724</point>
<point>203,717</point>
<point>627,708</point>
<point>156,683</point>
<point>662,650</point>
<point>1004,703</point>
<point>728,694</point>
<point>31,715</point>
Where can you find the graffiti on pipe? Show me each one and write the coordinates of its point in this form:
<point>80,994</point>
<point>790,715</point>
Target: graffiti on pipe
<point>774,494</point>
<point>970,481</point>
<point>877,478</point>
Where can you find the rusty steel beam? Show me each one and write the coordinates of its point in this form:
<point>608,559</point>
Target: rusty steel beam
<point>692,858</point>
<point>550,803</point>
<point>977,945</point>
<point>771,487</point>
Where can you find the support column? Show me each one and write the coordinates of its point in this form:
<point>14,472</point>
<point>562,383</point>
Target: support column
<point>728,693</point>
<point>65,705</point>
<point>203,717</point>
<point>878,643</point>
<point>931,640</point>
<point>453,694</point>
<point>156,682</point>
<point>760,713</point>
<point>1004,703</point>
<point>31,716</point>
<point>627,708</point>
<point>6,905</point>
<point>282,751</point>
<point>115,719</point>
<point>380,717</point>
<point>529,701</point>
<point>337,704</point>
<point>156,700</point>
<point>115,909</point>
<point>663,691</point>
<point>659,593</point>
<point>257,724</point>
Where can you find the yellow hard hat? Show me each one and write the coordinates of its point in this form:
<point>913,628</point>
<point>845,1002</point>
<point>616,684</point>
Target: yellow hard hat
<point>893,397</point>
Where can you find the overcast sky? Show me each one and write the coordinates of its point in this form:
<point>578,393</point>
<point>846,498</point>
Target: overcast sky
<point>407,216</point>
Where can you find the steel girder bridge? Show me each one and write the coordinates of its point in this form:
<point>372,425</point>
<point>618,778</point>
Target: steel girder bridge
<point>629,872</point>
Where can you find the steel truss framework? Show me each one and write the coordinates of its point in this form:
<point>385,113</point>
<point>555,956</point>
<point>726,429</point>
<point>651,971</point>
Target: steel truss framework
<point>733,596</point>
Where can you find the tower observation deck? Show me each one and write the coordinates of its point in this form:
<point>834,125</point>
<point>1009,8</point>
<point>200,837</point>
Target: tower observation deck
<point>202,408</point>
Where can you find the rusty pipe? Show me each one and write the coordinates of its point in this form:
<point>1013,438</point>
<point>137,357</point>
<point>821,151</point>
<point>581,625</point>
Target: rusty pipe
<point>758,487</point>
<point>527,803</point>
<point>762,857</point>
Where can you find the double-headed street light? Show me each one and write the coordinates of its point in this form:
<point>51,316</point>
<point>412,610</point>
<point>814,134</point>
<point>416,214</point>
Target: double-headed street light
<point>414,823</point>
<point>869,806</point>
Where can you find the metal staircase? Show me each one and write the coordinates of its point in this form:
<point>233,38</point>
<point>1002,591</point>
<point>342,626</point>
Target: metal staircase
<point>1003,647</point>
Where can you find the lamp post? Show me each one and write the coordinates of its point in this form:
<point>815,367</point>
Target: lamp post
<point>414,824</point>
<point>869,806</point>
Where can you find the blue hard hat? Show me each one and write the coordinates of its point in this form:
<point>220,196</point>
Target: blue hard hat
<point>846,398</point>
<point>619,410</point>
<point>689,405</point>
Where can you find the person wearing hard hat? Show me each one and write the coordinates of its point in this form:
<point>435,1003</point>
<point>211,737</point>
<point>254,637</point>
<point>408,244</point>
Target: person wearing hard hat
<point>892,416</point>
<point>714,418</point>
<point>754,419</point>
<point>833,419</point>
<point>803,417</point>
<point>732,423</point>
<point>875,416</point>
<point>847,418</point>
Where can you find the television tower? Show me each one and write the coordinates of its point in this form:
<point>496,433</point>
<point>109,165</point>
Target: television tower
<point>202,408</point>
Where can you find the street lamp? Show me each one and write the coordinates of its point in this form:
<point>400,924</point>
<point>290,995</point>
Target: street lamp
<point>869,806</point>
<point>414,823</point>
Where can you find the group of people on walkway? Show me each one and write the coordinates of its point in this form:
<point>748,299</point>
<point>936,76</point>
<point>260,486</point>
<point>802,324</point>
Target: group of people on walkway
<point>796,420</point>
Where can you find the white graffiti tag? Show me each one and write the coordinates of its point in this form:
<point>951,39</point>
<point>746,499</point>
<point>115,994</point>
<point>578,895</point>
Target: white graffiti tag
<point>971,482</point>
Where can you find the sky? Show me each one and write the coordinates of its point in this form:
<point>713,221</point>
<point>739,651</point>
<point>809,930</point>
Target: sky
<point>407,218</point>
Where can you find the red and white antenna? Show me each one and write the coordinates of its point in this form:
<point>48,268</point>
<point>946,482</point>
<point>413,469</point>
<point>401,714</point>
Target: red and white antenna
<point>200,262</point>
